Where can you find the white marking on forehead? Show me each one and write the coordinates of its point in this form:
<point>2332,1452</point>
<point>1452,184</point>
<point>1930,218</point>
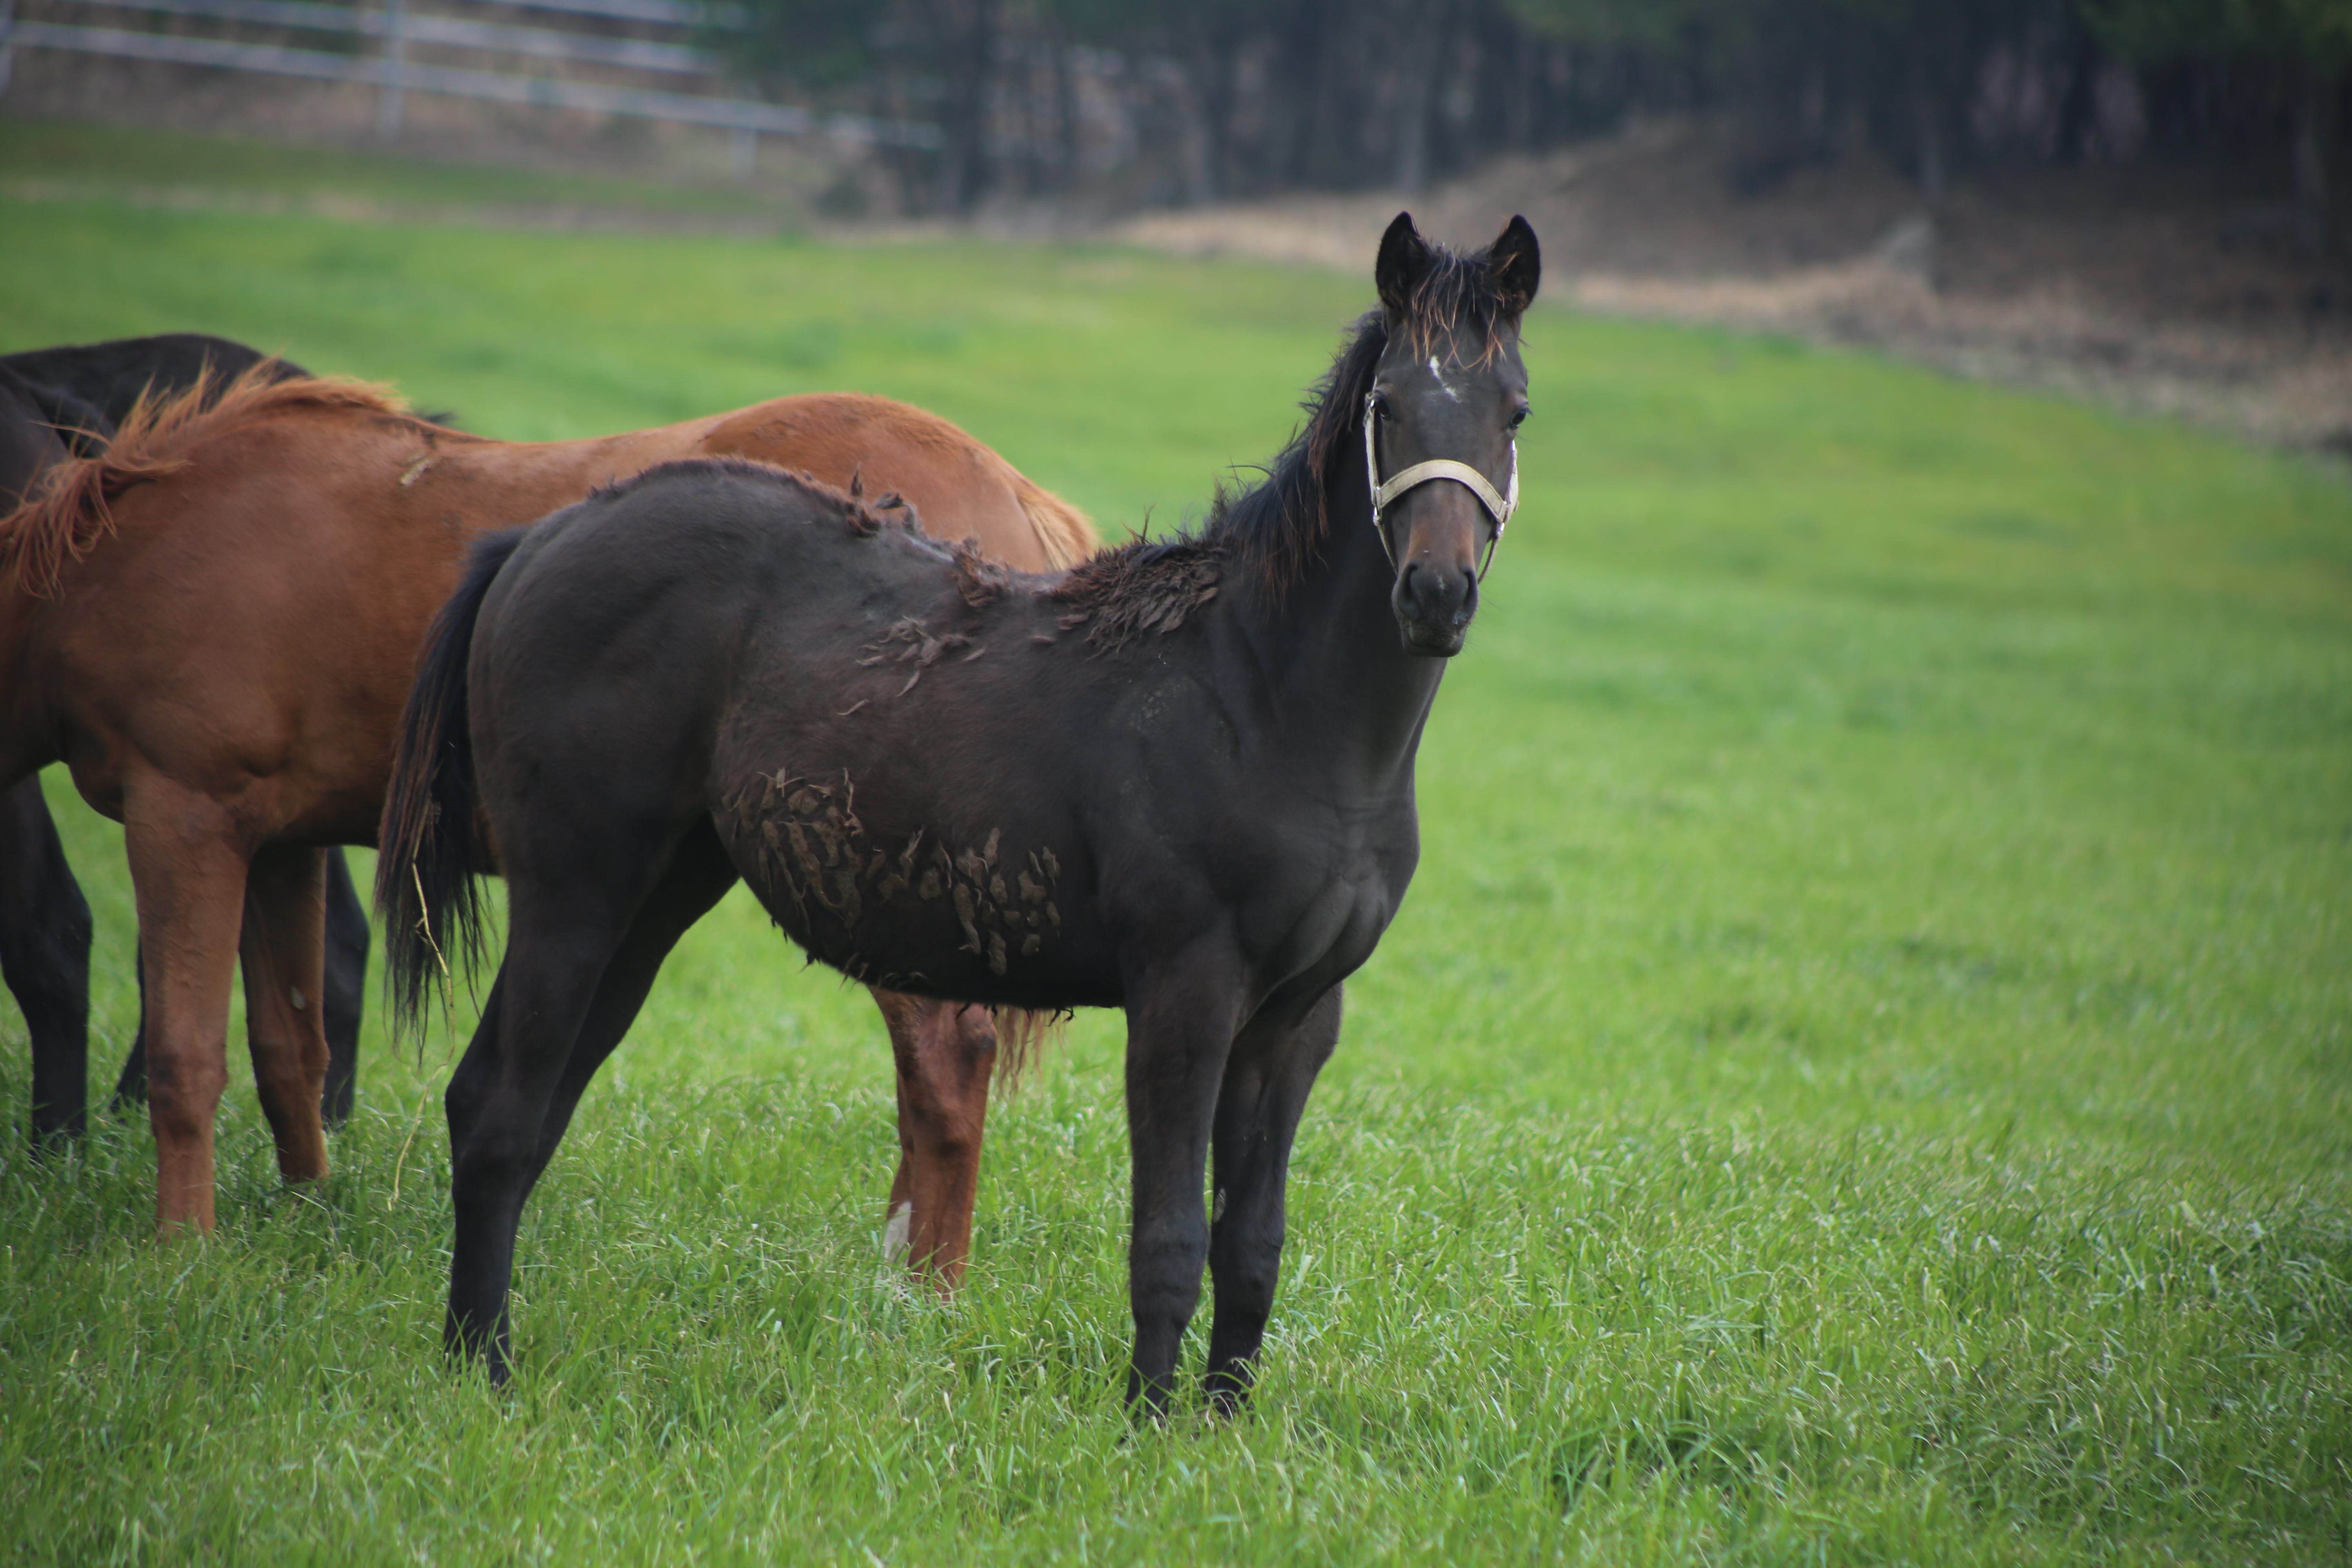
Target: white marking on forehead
<point>1443,385</point>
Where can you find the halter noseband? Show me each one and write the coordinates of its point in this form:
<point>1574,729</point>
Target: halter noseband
<point>1498,507</point>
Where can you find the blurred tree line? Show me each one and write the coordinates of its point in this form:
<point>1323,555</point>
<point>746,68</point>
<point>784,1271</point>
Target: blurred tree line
<point>1193,101</point>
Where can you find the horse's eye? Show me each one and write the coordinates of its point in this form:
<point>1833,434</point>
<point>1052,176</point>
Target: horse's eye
<point>1518,417</point>
<point>1380,410</point>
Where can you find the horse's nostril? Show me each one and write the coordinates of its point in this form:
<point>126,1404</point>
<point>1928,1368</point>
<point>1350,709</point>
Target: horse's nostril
<point>1436,593</point>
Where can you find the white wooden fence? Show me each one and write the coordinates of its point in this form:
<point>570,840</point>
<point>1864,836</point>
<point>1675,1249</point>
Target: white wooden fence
<point>393,26</point>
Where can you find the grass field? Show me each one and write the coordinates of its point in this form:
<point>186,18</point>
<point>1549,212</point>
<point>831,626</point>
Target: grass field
<point>1864,1073</point>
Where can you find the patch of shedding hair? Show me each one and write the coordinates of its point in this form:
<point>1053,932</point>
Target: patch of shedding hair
<point>69,508</point>
<point>1121,594</point>
<point>977,579</point>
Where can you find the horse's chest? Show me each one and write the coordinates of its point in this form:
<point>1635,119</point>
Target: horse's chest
<point>1325,911</point>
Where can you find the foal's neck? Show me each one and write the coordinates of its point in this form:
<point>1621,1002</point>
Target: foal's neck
<point>1331,649</point>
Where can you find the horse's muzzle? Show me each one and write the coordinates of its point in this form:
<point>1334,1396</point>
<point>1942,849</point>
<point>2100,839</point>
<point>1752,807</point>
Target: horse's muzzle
<point>1434,606</point>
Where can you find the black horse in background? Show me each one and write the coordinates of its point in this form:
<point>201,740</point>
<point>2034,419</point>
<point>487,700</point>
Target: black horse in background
<point>44,919</point>
<point>68,401</point>
<point>1176,780</point>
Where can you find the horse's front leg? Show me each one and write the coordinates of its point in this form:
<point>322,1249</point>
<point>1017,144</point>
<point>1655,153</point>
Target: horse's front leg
<point>943,1053</point>
<point>1272,1070</point>
<point>1179,1030</point>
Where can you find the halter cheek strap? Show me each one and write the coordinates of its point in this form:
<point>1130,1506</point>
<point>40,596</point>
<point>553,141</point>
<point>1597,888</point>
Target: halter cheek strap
<point>1500,507</point>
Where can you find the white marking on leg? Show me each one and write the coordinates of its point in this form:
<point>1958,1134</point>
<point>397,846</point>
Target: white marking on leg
<point>294,995</point>
<point>898,1235</point>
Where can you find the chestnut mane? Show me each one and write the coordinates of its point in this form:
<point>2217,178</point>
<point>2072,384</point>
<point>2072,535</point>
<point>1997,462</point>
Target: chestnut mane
<point>68,509</point>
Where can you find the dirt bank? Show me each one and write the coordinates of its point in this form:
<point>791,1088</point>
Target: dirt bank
<point>2169,290</point>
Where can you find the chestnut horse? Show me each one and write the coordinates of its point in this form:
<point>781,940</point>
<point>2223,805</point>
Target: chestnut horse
<point>63,402</point>
<point>215,626</point>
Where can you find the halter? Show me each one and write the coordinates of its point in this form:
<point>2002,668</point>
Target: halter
<point>1498,507</point>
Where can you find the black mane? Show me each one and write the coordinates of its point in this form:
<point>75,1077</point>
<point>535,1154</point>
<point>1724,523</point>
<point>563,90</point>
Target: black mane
<point>1274,527</point>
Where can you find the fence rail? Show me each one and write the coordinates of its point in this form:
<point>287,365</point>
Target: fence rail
<point>676,13</point>
<point>545,43</point>
<point>392,27</point>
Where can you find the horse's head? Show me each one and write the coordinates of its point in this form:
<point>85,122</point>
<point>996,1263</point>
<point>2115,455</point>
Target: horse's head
<point>1439,421</point>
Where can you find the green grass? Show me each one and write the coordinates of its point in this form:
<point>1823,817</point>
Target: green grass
<point>182,168</point>
<point>1864,1073</point>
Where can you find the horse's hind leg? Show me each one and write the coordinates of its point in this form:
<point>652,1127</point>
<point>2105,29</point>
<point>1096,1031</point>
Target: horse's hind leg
<point>44,958</point>
<point>944,1052</point>
<point>699,877</point>
<point>285,965</point>
<point>498,1100</point>
<point>346,989</point>
<point>699,874</point>
<point>189,873</point>
<point>580,956</point>
<point>1264,1093</point>
<point>346,986</point>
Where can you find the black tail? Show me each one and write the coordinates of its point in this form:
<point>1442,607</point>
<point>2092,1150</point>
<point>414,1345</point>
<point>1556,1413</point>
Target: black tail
<point>427,856</point>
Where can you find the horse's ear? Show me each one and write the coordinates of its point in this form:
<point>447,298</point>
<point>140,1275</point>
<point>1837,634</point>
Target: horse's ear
<point>1404,260</point>
<point>1515,264</point>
